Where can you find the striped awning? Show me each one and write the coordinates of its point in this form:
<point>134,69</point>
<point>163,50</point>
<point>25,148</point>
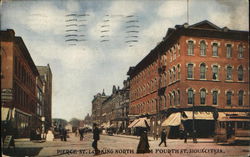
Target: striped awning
<point>142,122</point>
<point>133,123</point>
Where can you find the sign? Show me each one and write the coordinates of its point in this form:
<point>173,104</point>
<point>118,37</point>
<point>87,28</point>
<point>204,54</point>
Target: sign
<point>8,141</point>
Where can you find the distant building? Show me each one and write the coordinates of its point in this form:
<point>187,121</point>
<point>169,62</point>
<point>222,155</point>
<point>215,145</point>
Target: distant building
<point>46,77</point>
<point>96,107</point>
<point>18,85</point>
<point>201,65</point>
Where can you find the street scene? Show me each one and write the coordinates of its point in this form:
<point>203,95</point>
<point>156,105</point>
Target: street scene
<point>124,78</point>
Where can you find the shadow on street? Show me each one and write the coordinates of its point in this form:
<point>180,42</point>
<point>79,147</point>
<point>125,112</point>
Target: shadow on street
<point>25,151</point>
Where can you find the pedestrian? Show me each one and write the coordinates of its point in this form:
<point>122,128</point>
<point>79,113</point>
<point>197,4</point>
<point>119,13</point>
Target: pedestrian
<point>163,137</point>
<point>61,132</point>
<point>64,134</point>
<point>96,137</point>
<point>185,134</point>
<point>81,134</point>
<point>143,146</point>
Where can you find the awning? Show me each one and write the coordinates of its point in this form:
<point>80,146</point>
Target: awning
<point>133,123</point>
<point>6,113</point>
<point>173,120</point>
<point>200,115</point>
<point>142,122</point>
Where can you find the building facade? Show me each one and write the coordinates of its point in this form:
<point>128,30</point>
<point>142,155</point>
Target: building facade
<point>45,74</point>
<point>200,65</point>
<point>18,84</point>
<point>97,106</point>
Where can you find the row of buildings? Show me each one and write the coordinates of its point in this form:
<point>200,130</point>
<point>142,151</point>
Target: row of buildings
<point>200,67</point>
<point>26,89</point>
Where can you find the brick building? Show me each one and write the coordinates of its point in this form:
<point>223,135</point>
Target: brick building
<point>46,78</point>
<point>201,65</point>
<point>18,84</point>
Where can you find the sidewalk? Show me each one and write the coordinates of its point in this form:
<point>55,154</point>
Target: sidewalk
<point>199,140</point>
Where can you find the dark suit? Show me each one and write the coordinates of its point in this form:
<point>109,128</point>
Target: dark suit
<point>163,138</point>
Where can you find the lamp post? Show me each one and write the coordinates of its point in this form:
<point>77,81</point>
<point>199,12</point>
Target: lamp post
<point>194,131</point>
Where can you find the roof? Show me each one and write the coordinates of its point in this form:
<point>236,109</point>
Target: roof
<point>200,29</point>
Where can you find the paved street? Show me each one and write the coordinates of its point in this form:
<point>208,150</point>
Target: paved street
<point>120,145</point>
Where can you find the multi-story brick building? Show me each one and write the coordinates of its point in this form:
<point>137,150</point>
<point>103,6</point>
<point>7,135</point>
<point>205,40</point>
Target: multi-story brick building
<point>201,65</point>
<point>18,84</point>
<point>46,78</point>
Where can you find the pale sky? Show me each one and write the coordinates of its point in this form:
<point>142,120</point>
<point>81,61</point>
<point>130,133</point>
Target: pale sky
<point>114,35</point>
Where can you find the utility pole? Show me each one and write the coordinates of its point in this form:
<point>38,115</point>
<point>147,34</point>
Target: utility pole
<point>194,131</point>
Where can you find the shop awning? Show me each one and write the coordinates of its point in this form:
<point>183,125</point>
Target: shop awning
<point>199,115</point>
<point>133,123</point>
<point>173,120</point>
<point>6,113</point>
<point>142,122</point>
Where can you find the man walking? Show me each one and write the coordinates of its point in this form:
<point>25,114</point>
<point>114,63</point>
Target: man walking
<point>163,137</point>
<point>96,137</point>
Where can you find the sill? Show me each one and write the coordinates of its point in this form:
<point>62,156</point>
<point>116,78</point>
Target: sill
<point>203,55</point>
<point>215,105</point>
<point>228,80</point>
<point>190,78</point>
<point>240,57</point>
<point>229,57</point>
<point>190,54</point>
<point>240,81</point>
<point>203,79</point>
<point>190,104</point>
<point>215,56</point>
<point>216,80</point>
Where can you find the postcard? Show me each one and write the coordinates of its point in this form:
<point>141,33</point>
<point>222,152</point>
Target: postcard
<point>124,78</point>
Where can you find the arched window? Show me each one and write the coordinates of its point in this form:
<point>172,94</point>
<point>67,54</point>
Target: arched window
<point>215,49</point>
<point>240,51</point>
<point>203,48</point>
<point>203,71</point>
<point>215,72</point>
<point>229,73</point>
<point>215,97</point>
<point>174,74</point>
<point>229,50</point>
<point>190,47</point>
<point>203,96</point>
<point>179,72</point>
<point>175,98</point>
<point>240,73</point>
<point>190,70</point>
<point>170,99</point>
<point>229,97</point>
<point>190,96</point>
<point>240,100</point>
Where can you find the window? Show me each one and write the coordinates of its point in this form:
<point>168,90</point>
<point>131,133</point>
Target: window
<point>179,97</point>
<point>203,71</point>
<point>179,72</point>
<point>190,70</point>
<point>215,49</point>
<point>190,47</point>
<point>170,99</point>
<point>229,50</point>
<point>240,73</point>
<point>190,96</point>
<point>203,96</point>
<point>215,72</point>
<point>215,97</point>
<point>229,98</point>
<point>240,51</point>
<point>240,101</point>
<point>175,98</point>
<point>202,48</point>
<point>229,73</point>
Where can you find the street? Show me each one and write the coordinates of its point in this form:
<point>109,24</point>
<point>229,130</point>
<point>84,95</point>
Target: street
<point>122,145</point>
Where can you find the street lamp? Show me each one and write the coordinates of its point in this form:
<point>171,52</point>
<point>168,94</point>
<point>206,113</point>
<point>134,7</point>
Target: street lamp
<point>194,131</point>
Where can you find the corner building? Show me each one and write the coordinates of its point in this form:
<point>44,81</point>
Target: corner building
<point>200,65</point>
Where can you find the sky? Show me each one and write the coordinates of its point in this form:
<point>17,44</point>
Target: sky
<point>90,44</point>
